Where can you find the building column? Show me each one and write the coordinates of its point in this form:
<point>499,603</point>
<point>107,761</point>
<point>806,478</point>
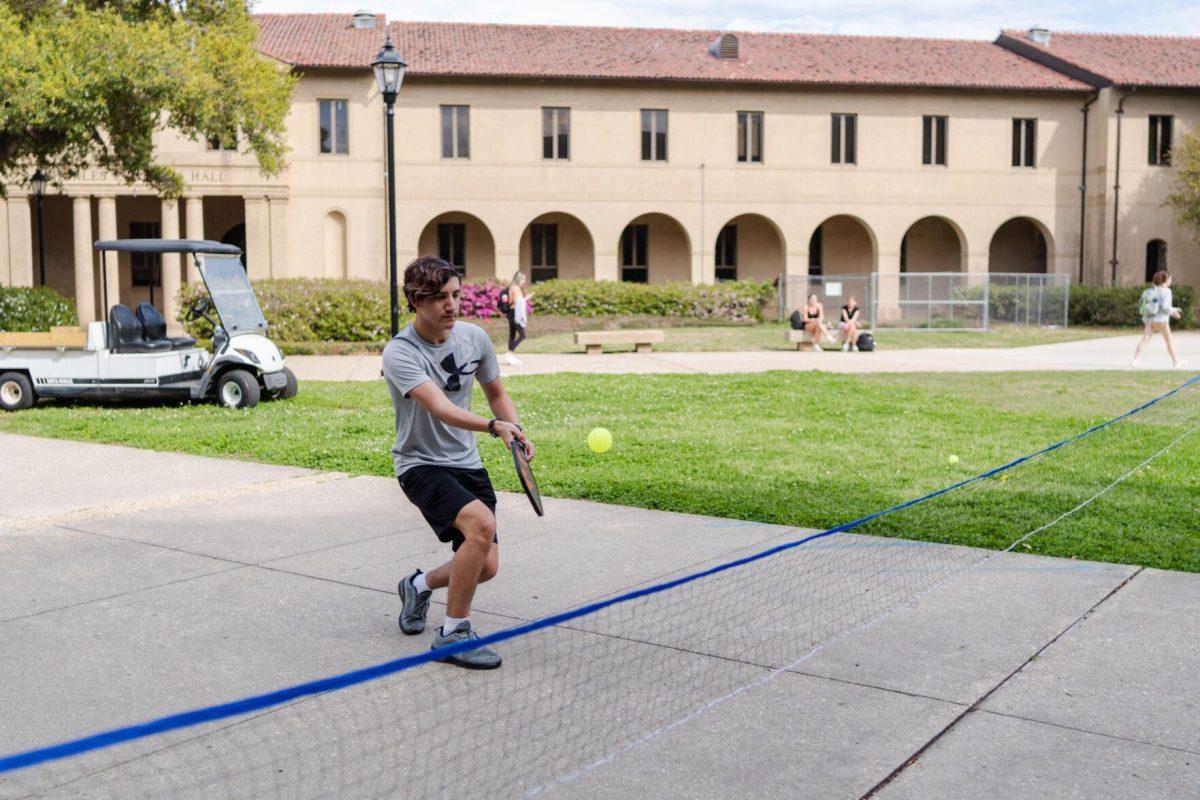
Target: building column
<point>193,211</point>
<point>5,273</point>
<point>85,280</point>
<point>507,264</point>
<point>278,208</point>
<point>107,219</point>
<point>20,242</point>
<point>258,238</point>
<point>171,268</point>
<point>887,288</point>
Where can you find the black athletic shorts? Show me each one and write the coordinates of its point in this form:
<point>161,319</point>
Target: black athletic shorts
<point>442,492</point>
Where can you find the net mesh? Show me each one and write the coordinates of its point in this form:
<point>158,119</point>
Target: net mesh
<point>577,694</point>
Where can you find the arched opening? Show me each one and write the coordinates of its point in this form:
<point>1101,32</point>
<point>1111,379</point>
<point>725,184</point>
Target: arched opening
<point>1019,245</point>
<point>1156,257</point>
<point>654,248</point>
<point>841,245</point>
<point>236,236</point>
<point>932,244</point>
<point>749,248</point>
<point>557,245</point>
<point>336,264</point>
<point>463,240</point>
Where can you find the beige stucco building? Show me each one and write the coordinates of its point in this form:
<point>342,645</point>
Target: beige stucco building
<point>659,155</point>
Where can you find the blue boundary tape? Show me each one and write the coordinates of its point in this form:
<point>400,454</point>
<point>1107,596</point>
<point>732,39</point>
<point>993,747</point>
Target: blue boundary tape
<point>259,702</point>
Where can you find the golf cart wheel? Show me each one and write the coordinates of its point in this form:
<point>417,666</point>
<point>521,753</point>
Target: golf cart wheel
<point>292,388</point>
<point>16,392</point>
<point>238,389</point>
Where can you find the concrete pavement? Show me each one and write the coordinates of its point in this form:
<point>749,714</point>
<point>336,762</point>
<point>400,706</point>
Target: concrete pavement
<point>1113,352</point>
<point>138,584</point>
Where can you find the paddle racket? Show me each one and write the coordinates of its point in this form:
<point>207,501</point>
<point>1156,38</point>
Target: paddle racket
<point>525,476</point>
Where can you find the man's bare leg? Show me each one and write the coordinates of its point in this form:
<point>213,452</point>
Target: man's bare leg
<point>475,562</point>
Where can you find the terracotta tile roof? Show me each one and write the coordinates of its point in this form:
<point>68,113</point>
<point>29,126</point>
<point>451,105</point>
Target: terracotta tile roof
<point>542,51</point>
<point>1123,59</point>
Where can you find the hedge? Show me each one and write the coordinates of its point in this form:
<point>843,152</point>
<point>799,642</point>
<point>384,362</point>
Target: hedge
<point>1118,305</point>
<point>310,310</point>
<point>34,309</point>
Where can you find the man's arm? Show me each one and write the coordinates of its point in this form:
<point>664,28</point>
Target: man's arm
<point>435,402</point>
<point>504,408</point>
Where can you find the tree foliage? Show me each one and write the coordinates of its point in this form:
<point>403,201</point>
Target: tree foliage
<point>87,84</point>
<point>1185,194</point>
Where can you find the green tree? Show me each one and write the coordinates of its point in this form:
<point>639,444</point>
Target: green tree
<point>87,84</point>
<point>1185,194</point>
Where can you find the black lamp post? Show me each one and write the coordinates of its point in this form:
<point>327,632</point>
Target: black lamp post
<point>389,72</point>
<point>38,185</point>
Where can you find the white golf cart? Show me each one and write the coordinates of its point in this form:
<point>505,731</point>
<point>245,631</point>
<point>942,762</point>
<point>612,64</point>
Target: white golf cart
<point>130,355</point>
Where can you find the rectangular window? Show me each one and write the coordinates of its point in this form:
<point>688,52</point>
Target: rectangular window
<point>844,138</point>
<point>1160,140</point>
<point>654,134</point>
<point>556,133</point>
<point>726,260</point>
<point>543,255</point>
<point>335,126</point>
<point>456,132</point>
<point>750,136</point>
<point>452,245</point>
<point>145,268</point>
<point>1024,145</point>
<point>634,244</point>
<point>933,140</point>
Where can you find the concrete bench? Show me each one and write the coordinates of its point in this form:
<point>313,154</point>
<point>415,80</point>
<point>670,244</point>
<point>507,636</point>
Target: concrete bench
<point>642,341</point>
<point>801,338</point>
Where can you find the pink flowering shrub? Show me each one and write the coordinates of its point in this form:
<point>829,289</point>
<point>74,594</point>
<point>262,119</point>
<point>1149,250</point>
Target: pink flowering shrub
<point>482,300</point>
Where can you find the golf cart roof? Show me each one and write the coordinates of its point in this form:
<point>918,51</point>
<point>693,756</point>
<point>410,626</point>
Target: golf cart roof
<point>168,246</point>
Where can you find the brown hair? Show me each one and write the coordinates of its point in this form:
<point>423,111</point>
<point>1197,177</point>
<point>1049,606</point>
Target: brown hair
<point>424,277</point>
<point>1160,277</point>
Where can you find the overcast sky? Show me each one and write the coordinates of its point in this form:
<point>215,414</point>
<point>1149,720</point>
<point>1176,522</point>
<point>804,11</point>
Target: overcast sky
<point>962,19</point>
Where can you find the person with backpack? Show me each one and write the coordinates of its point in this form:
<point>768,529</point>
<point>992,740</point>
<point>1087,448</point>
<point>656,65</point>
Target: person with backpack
<point>1157,310</point>
<point>513,303</point>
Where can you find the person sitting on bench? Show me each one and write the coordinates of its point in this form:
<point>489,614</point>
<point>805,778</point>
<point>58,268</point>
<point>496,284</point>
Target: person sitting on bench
<point>849,324</point>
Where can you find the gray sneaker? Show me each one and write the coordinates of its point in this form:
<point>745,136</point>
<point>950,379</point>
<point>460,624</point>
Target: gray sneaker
<point>479,658</point>
<point>414,606</point>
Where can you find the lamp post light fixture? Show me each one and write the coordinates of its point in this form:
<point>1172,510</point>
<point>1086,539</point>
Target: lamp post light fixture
<point>389,73</point>
<point>37,185</point>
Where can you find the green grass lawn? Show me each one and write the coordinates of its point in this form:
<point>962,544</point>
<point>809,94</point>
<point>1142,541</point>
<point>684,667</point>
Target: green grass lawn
<point>764,336</point>
<point>804,449</point>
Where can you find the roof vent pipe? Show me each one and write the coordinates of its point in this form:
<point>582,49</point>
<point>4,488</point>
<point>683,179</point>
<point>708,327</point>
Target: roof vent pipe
<point>726,46</point>
<point>364,19</point>
<point>1040,35</point>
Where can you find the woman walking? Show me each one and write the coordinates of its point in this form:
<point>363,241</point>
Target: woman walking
<point>1158,309</point>
<point>517,312</point>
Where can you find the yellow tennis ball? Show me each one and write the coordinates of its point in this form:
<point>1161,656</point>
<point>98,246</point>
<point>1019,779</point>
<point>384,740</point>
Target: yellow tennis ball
<point>599,440</point>
<point>953,459</point>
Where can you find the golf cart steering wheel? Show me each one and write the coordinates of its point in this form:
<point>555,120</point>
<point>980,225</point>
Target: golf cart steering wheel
<point>199,308</point>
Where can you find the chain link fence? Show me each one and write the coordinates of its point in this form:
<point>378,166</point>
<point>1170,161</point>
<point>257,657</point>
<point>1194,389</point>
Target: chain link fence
<point>963,301</point>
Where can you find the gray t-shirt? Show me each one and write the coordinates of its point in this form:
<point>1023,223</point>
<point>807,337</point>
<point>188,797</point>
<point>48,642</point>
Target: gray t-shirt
<point>409,361</point>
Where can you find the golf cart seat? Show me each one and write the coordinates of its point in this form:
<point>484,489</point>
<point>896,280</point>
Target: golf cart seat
<point>125,333</point>
<point>154,328</point>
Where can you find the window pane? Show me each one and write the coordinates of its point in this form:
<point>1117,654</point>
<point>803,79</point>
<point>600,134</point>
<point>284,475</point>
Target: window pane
<point>940,151</point>
<point>460,245</point>
<point>1165,137</point>
<point>627,246</point>
<point>550,245</point>
<point>757,154</point>
<point>836,138</point>
<point>741,136</point>
<point>851,143</point>
<point>564,133</point>
<point>547,133</point>
<point>647,136</point>
<point>535,246</point>
<point>342,131</point>
<point>641,240</point>
<point>326,127</point>
<point>926,140</point>
<point>444,242</point>
<point>1030,141</point>
<point>464,132</point>
<point>447,132</point>
<point>660,134</point>
<point>1016,143</point>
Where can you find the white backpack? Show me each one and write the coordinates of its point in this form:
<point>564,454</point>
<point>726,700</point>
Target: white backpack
<point>1151,303</point>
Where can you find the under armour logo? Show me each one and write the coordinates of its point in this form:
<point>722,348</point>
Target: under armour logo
<point>453,380</point>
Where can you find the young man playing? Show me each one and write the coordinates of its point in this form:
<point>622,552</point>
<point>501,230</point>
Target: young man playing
<point>429,368</point>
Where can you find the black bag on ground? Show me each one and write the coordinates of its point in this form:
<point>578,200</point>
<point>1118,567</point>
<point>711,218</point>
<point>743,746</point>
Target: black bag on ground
<point>866,342</point>
<point>797,320</point>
